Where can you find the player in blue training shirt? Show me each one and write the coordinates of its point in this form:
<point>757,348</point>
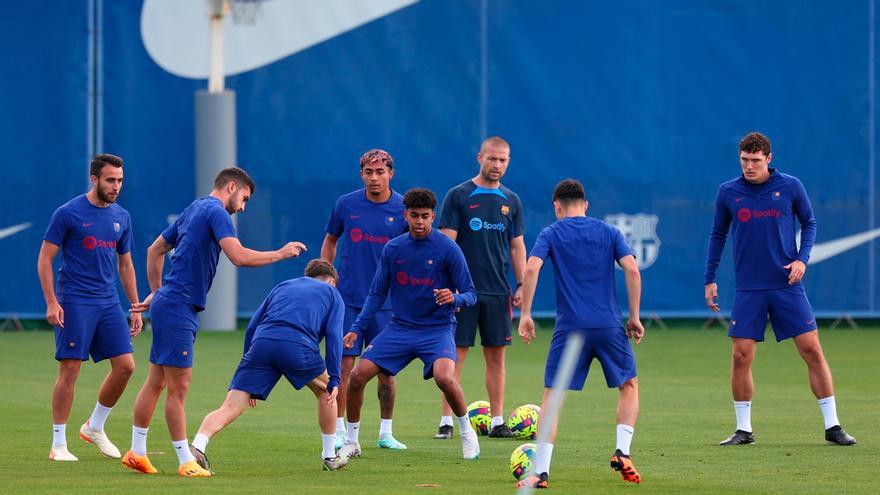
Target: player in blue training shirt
<point>365,220</point>
<point>197,236</point>
<point>94,236</point>
<point>486,220</point>
<point>583,251</point>
<point>760,209</point>
<point>421,272</point>
<point>282,339</point>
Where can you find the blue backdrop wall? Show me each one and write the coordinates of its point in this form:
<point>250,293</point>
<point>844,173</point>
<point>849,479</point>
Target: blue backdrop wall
<point>642,101</point>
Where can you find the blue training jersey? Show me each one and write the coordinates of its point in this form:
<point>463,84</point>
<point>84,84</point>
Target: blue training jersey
<point>409,271</point>
<point>485,221</point>
<point>195,237</point>
<point>90,239</point>
<point>761,220</point>
<point>363,228</point>
<point>583,251</point>
<point>303,310</point>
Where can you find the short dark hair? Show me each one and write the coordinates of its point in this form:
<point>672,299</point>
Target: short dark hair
<point>754,142</point>
<point>376,154</point>
<point>321,268</point>
<point>568,191</point>
<point>419,197</point>
<point>494,141</point>
<point>101,160</point>
<point>234,174</point>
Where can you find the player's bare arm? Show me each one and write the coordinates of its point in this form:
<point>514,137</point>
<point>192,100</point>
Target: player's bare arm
<point>530,284</point>
<point>242,256</point>
<point>634,328</point>
<point>155,262</point>
<point>54,313</point>
<point>518,262</point>
<point>125,267</point>
<point>328,247</point>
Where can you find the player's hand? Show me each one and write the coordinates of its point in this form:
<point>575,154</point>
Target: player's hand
<point>796,271</point>
<point>712,297</point>
<point>137,324</point>
<point>635,330</point>
<point>141,306</point>
<point>252,402</point>
<point>527,329</point>
<point>292,250</point>
<point>517,297</point>
<point>349,340</point>
<point>331,395</point>
<point>443,296</point>
<point>54,314</point>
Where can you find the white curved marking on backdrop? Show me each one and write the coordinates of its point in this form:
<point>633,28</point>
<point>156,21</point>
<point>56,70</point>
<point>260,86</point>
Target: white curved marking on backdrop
<point>9,231</point>
<point>824,250</point>
<point>175,32</point>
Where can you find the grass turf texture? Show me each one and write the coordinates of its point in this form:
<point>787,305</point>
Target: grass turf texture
<point>685,412</point>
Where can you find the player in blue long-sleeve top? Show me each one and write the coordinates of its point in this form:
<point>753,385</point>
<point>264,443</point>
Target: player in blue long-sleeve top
<point>282,339</point>
<point>426,276</point>
<point>759,210</point>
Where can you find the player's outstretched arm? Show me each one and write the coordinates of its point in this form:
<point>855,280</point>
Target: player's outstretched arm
<point>125,267</point>
<point>375,299</point>
<point>328,247</point>
<point>155,262</point>
<point>633,278</point>
<point>54,313</point>
<point>333,343</point>
<point>717,238</point>
<point>242,256</point>
<point>530,284</point>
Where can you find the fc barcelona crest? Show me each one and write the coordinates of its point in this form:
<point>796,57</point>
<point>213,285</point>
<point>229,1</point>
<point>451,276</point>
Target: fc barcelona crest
<point>116,226</point>
<point>505,210</point>
<point>640,232</point>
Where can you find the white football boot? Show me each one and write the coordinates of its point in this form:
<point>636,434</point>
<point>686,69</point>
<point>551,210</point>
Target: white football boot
<point>99,438</point>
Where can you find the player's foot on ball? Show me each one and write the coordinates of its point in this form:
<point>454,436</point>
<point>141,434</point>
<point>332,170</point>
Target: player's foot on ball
<point>444,432</point>
<point>839,436</point>
<point>387,441</point>
<point>340,440</point>
<point>191,469</point>
<point>60,453</point>
<point>334,463</point>
<point>349,450</point>
<point>624,465</point>
<point>139,463</point>
<point>201,458</point>
<point>470,445</point>
<point>500,431</point>
<point>99,438</point>
<point>534,481</point>
<point>739,437</point>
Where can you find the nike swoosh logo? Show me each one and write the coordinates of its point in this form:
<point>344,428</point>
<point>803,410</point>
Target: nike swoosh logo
<point>88,224</point>
<point>475,206</point>
<point>175,33</point>
<point>825,250</point>
<point>354,216</point>
<point>10,231</point>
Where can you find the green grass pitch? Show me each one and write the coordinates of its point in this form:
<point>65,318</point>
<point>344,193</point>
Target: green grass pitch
<point>685,412</point>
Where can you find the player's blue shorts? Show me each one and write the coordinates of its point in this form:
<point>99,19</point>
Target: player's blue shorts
<point>492,314</point>
<point>99,331</point>
<point>788,309</point>
<point>379,322</point>
<point>175,324</point>
<point>268,359</point>
<point>609,345</point>
<point>395,348</point>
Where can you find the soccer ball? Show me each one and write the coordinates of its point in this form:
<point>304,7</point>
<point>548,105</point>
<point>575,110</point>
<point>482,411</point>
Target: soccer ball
<point>523,421</point>
<point>480,417</point>
<point>521,460</point>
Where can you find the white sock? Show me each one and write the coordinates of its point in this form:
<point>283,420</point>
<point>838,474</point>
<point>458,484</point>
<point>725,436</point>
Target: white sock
<point>201,441</point>
<point>59,435</point>
<point>340,424</point>
<point>351,431</point>
<point>445,420</point>
<point>829,411</point>
<point>624,438</point>
<point>542,458</point>
<point>99,416</point>
<point>328,446</point>
<point>496,420</point>
<point>181,447</point>
<point>464,424</point>
<point>384,427</point>
<point>743,410</point>
<point>139,440</point>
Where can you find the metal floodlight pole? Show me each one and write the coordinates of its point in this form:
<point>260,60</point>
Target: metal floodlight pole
<point>216,150</point>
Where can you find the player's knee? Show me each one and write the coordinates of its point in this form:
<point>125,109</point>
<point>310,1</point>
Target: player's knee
<point>68,371</point>
<point>356,380</point>
<point>813,355</point>
<point>630,386</point>
<point>742,358</point>
<point>386,380</point>
<point>124,370</point>
<point>444,381</point>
